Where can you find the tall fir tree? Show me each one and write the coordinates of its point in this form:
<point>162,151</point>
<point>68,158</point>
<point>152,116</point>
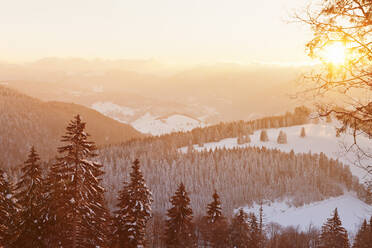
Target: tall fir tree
<point>8,213</point>
<point>333,234</point>
<point>215,226</point>
<point>134,210</point>
<point>260,227</point>
<point>282,138</point>
<point>254,231</point>
<point>303,133</point>
<point>263,136</point>
<point>31,197</point>
<point>77,213</point>
<point>179,227</point>
<point>239,230</point>
<point>363,238</point>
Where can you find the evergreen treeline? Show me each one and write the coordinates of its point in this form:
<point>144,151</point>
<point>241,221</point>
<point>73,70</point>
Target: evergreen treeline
<point>224,130</point>
<point>66,206</point>
<point>242,176</point>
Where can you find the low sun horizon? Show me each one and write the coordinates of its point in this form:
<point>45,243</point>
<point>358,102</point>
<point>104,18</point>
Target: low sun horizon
<point>174,32</point>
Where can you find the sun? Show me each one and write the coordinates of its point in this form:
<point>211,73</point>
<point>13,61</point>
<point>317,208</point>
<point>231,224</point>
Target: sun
<point>334,53</point>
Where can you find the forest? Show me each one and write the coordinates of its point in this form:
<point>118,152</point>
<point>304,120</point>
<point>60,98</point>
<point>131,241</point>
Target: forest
<point>121,196</point>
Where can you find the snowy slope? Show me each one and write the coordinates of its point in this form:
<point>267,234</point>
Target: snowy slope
<point>147,122</point>
<point>117,112</point>
<point>352,212</point>
<point>319,138</point>
<point>167,124</point>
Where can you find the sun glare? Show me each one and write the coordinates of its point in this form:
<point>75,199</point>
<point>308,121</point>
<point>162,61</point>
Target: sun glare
<point>334,53</point>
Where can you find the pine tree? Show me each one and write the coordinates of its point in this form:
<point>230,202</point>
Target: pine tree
<point>30,197</point>
<point>215,227</point>
<point>179,227</point>
<point>8,213</point>
<point>254,231</point>
<point>239,230</point>
<point>303,133</point>
<point>363,238</point>
<point>260,227</point>
<point>333,234</point>
<point>370,230</point>
<point>263,136</point>
<point>240,140</point>
<point>282,138</point>
<point>134,210</point>
<point>77,213</point>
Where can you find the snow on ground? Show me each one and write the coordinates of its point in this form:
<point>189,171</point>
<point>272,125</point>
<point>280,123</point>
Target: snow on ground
<point>352,212</point>
<point>158,126</point>
<point>117,112</point>
<point>319,138</point>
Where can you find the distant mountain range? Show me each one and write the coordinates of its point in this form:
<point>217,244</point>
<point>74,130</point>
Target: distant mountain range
<point>129,90</point>
<point>27,121</point>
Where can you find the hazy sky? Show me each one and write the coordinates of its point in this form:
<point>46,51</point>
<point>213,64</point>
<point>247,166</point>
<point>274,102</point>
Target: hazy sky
<point>176,31</point>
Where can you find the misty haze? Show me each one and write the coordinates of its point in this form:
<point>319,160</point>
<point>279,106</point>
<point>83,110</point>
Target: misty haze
<point>177,124</point>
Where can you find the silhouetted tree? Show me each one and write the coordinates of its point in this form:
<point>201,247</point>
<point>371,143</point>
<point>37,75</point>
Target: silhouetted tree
<point>215,226</point>
<point>346,24</point>
<point>31,197</point>
<point>254,232</point>
<point>134,210</point>
<point>333,234</point>
<point>77,210</point>
<point>239,230</point>
<point>179,227</point>
<point>363,238</point>
<point>8,213</point>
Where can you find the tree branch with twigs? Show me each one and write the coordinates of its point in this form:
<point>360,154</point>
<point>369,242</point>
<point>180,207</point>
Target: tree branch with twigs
<point>343,90</point>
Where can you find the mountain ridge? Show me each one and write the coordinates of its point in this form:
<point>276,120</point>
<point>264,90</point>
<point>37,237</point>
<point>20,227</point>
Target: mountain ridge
<point>26,121</point>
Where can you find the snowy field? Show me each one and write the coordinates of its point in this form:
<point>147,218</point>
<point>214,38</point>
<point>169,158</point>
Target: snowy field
<point>319,138</point>
<point>352,212</point>
<point>148,123</point>
<point>117,112</point>
<point>173,123</point>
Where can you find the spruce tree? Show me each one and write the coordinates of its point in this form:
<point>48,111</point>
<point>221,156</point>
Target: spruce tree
<point>303,133</point>
<point>363,238</point>
<point>254,231</point>
<point>333,234</point>
<point>8,213</point>
<point>260,227</point>
<point>77,213</point>
<point>239,230</point>
<point>179,227</point>
<point>215,227</point>
<point>263,136</point>
<point>370,230</point>
<point>30,196</point>
<point>134,210</point>
<point>282,138</point>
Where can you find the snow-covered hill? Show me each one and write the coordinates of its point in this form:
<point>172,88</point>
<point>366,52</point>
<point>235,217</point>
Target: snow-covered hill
<point>145,121</point>
<point>167,124</point>
<point>352,212</point>
<point>319,138</point>
<point>117,112</point>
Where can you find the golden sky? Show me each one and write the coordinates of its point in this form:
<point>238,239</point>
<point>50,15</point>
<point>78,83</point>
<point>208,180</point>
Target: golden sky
<point>175,31</point>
